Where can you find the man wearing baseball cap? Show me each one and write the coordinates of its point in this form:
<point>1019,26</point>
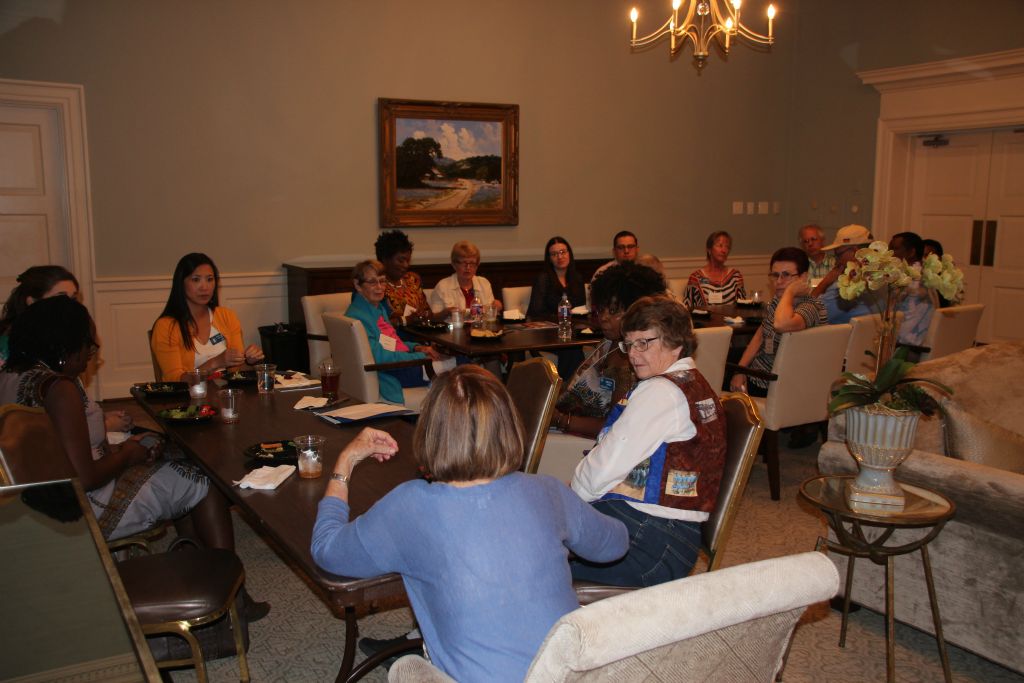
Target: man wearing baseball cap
<point>849,239</point>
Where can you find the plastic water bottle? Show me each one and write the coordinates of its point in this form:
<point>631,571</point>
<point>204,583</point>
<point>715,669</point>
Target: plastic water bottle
<point>476,311</point>
<point>564,319</point>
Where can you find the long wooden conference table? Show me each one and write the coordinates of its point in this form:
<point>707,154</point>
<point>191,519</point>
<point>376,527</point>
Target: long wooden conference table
<point>287,514</point>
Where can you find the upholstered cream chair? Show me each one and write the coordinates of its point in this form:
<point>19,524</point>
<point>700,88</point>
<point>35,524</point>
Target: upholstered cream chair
<point>712,353</point>
<point>516,298</point>
<point>677,285</point>
<point>351,352</point>
<point>864,330</point>
<point>313,308</point>
<point>806,365</point>
<point>533,386</point>
<point>952,329</point>
<point>727,626</point>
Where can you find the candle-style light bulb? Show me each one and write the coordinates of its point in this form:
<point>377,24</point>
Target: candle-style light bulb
<point>633,15</point>
<point>728,32</point>
<point>771,15</point>
<point>676,4</point>
<point>736,4</point>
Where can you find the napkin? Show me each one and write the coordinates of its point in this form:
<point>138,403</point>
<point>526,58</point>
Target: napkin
<point>737,320</point>
<point>311,402</point>
<point>580,310</point>
<point>513,314</point>
<point>114,438</point>
<point>297,381</point>
<point>266,478</point>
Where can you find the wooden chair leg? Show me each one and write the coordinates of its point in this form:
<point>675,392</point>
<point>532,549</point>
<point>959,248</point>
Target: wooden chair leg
<point>771,456</point>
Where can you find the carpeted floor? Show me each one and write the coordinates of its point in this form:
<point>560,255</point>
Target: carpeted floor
<point>302,641</point>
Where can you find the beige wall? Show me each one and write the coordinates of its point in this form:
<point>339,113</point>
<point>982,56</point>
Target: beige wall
<point>247,129</point>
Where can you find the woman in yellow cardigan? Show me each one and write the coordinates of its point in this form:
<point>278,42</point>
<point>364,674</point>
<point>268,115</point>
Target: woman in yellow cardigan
<point>194,332</point>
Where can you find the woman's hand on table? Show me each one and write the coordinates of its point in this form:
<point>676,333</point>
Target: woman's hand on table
<point>371,443</point>
<point>428,351</point>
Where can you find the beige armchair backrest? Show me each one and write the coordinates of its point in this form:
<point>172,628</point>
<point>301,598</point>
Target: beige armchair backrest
<point>677,285</point>
<point>712,352</point>
<point>730,625</point>
<point>952,329</point>
<point>313,308</point>
<point>863,338</point>
<point>351,351</point>
<point>807,364</point>
<point>516,298</point>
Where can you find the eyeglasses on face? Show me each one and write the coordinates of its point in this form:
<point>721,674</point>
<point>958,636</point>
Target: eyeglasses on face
<point>784,275</point>
<point>467,264</point>
<point>640,345</point>
<point>382,281</point>
<point>558,254</point>
<point>625,247</point>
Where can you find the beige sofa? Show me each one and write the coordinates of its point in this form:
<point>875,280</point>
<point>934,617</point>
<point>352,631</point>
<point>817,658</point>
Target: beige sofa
<point>975,456</point>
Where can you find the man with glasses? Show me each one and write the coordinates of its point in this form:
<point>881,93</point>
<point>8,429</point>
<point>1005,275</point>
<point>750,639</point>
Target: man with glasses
<point>849,239</point>
<point>791,310</point>
<point>812,241</point>
<point>625,247</point>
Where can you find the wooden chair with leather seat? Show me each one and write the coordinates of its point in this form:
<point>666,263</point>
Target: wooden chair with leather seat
<point>313,308</point>
<point>351,351</point>
<point>170,592</point>
<point>533,386</point>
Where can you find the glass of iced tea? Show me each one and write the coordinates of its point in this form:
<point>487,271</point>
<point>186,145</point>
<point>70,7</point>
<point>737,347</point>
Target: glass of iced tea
<point>329,374</point>
<point>310,448</point>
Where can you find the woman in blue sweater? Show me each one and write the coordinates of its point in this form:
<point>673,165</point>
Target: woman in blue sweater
<point>483,549</point>
<point>371,309</point>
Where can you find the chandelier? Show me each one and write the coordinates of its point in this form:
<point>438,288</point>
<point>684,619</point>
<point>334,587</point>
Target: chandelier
<point>702,22</point>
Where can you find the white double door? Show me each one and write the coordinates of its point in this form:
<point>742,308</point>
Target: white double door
<point>969,195</point>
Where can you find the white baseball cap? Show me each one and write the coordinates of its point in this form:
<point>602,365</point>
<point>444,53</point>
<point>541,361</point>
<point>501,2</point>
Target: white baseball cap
<point>852,235</point>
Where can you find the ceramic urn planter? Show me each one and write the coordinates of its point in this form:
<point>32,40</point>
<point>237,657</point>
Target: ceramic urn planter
<point>879,439</point>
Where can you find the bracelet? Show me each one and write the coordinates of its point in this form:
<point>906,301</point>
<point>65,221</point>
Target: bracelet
<point>341,477</point>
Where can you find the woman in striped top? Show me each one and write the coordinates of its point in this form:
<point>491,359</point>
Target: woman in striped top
<point>715,283</point>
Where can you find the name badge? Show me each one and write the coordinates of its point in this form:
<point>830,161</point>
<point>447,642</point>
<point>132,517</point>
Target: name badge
<point>388,343</point>
<point>607,383</point>
<point>715,298</point>
<point>216,339</point>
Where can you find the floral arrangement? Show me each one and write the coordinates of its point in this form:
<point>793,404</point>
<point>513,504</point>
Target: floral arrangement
<point>875,267</point>
<point>890,388</point>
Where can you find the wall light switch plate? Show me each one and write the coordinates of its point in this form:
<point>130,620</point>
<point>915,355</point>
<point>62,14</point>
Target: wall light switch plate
<point>750,208</point>
<point>776,208</point>
<point>762,208</point>
<point>737,208</point>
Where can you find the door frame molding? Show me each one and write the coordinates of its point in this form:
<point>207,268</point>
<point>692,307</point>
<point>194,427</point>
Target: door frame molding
<point>67,102</point>
<point>968,93</point>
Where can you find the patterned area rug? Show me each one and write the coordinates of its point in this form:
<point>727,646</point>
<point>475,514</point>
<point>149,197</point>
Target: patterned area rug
<point>302,641</point>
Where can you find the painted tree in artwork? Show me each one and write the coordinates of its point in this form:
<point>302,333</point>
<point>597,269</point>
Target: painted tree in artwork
<point>414,159</point>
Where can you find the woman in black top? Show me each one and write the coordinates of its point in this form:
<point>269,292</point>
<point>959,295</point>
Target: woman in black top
<point>558,276</point>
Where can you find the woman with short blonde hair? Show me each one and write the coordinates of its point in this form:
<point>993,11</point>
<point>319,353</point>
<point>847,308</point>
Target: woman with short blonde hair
<point>457,291</point>
<point>483,548</point>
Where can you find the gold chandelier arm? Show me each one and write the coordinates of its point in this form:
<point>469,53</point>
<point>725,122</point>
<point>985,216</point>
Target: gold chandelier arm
<point>651,38</point>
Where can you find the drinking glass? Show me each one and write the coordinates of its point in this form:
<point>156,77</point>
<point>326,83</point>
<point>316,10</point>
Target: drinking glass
<point>196,380</point>
<point>329,375</point>
<point>310,448</point>
<point>229,405</point>
<point>265,377</point>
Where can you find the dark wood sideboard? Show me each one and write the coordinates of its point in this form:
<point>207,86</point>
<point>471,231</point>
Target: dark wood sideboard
<point>311,280</point>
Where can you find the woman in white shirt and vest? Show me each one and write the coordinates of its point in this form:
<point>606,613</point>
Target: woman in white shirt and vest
<point>659,460</point>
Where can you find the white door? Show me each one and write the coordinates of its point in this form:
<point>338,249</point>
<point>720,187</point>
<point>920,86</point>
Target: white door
<point>33,211</point>
<point>968,195</point>
<point>1002,283</point>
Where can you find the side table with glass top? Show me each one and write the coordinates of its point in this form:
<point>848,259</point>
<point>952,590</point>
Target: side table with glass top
<point>924,509</point>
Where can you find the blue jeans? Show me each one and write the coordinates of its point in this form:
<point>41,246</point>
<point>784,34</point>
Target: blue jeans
<point>660,549</point>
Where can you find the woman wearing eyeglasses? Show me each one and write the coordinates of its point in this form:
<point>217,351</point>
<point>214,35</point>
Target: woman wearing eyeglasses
<point>458,290</point>
<point>558,276</point>
<point>371,309</point>
<point>791,310</point>
<point>658,462</point>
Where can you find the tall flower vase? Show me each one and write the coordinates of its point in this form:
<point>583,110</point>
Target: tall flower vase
<point>879,439</point>
<point>889,328</point>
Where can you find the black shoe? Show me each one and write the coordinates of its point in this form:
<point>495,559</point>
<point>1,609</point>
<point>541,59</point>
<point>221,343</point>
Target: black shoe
<point>252,610</point>
<point>372,646</point>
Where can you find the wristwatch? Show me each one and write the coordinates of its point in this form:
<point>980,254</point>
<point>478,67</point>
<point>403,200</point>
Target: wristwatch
<point>340,477</point>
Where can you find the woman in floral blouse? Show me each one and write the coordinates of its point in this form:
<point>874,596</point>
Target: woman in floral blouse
<point>403,290</point>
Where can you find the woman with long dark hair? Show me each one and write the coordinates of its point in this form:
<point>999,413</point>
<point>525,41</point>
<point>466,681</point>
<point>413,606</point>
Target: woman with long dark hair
<point>195,332</point>
<point>558,276</point>
<point>38,282</point>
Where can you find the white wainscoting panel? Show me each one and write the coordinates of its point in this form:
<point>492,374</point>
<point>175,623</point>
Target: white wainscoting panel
<point>753,267</point>
<point>126,309</point>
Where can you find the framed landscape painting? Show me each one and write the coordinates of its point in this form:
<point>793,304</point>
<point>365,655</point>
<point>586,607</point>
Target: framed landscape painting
<point>448,163</point>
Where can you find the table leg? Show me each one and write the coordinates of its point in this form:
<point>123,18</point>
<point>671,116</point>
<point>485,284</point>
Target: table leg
<point>890,621</point>
<point>846,600</point>
<point>943,655</point>
<point>351,637</point>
